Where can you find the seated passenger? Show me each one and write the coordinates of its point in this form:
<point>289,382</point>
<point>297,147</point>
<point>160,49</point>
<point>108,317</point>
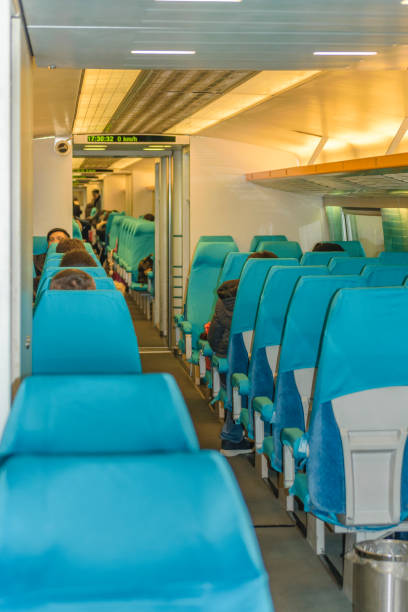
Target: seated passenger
<point>54,235</point>
<point>78,259</point>
<point>148,217</point>
<point>70,244</point>
<point>72,280</point>
<point>327,246</point>
<point>233,441</point>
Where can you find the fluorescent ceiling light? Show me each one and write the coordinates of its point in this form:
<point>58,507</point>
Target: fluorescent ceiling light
<point>258,89</point>
<point>345,53</point>
<point>161,52</point>
<point>404,1</point>
<point>100,148</point>
<point>101,93</point>
<point>154,149</point>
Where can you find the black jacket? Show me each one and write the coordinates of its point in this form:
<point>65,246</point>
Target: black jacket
<point>219,332</point>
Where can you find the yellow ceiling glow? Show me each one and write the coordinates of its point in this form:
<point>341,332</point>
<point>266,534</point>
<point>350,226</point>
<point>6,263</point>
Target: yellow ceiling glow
<point>101,93</point>
<point>77,162</point>
<point>258,89</point>
<point>125,162</point>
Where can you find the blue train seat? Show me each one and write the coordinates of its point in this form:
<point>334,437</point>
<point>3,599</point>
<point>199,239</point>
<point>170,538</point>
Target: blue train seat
<point>284,248</point>
<point>111,235</point>
<point>98,414</point>
<point>58,320</point>
<point>267,238</point>
<point>49,272</point>
<point>319,258</point>
<point>298,358</point>
<point>355,449</point>
<point>350,265</point>
<point>216,239</point>
<point>243,322</point>
<point>393,258</point>
<point>277,290</point>
<point>354,248</point>
<point>135,532</point>
<point>76,232</point>
<point>201,297</point>
<point>232,268</point>
<point>384,276</point>
<point>40,245</point>
<point>52,249</point>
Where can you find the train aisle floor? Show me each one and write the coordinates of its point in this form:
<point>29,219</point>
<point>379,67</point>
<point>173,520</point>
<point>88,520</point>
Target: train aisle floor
<point>299,581</point>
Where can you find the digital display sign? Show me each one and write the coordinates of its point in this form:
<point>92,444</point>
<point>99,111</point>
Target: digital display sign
<point>129,138</point>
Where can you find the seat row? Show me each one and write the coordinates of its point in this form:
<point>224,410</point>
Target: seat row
<point>314,356</point>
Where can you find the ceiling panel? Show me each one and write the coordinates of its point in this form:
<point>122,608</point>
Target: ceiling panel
<point>251,35</point>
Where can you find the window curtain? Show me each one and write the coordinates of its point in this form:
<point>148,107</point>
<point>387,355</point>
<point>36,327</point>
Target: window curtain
<point>334,219</point>
<point>395,228</point>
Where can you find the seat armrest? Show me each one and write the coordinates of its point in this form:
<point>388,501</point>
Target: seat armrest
<point>150,275</point>
<point>265,407</point>
<point>186,327</point>
<point>221,363</point>
<point>178,319</point>
<point>290,435</point>
<point>206,348</point>
<point>242,382</point>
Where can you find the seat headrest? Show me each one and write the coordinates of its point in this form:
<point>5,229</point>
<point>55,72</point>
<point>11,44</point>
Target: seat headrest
<point>212,254</point>
<point>265,238</point>
<point>98,414</point>
<point>282,248</point>
<point>384,276</point>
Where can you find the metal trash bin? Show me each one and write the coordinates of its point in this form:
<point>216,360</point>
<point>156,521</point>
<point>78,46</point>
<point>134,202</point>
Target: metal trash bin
<point>380,576</point>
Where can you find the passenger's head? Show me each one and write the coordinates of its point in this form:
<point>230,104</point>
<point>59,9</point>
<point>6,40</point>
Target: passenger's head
<point>148,217</point>
<point>262,255</point>
<point>78,259</point>
<point>72,280</point>
<point>70,244</point>
<point>95,193</point>
<point>56,234</point>
<point>327,246</point>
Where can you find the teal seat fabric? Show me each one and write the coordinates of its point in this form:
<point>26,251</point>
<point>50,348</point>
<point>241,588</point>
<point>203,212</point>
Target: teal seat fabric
<point>205,270</point>
<point>364,347</point>
<point>284,248</point>
<point>58,319</point>
<point>119,534</point>
<point>354,248</point>
<point>273,305</point>
<point>54,259</point>
<point>76,232</point>
<point>384,276</point>
<point>52,249</point>
<point>216,239</point>
<point>267,238</point>
<point>98,414</point>
<point>350,265</point>
<point>113,233</point>
<point>299,350</point>
<point>319,258</point>
<point>232,268</point>
<point>40,245</point>
<point>135,242</point>
<point>109,222</point>
<point>243,320</point>
<point>50,272</point>
<point>393,258</point>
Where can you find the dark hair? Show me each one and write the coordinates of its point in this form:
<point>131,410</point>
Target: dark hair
<point>149,217</point>
<point>57,229</point>
<point>327,246</point>
<point>262,255</point>
<point>95,190</point>
<point>70,244</point>
<point>72,280</point>
<point>78,259</point>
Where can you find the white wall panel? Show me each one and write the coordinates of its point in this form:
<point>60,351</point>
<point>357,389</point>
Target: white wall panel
<point>143,181</point>
<point>52,188</point>
<point>223,202</point>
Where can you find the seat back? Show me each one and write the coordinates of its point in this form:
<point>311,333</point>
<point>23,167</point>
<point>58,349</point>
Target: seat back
<point>283,248</point>
<point>109,223</point>
<point>121,518</point>
<point>58,320</point>
<point>232,268</point>
<point>114,229</point>
<point>216,239</point>
<point>270,319</point>
<point>267,238</point>
<point>52,249</point>
<point>141,243</point>
<point>94,414</point>
<point>299,350</point>
<point>358,462</point>
<point>205,270</point>
<point>319,258</point>
<point>40,245</point>
<point>76,232</point>
<point>350,265</point>
<point>354,248</point>
<point>384,276</point>
<point>51,271</point>
<point>393,258</point>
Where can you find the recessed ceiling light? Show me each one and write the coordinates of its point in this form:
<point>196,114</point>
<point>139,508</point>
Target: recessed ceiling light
<point>345,53</point>
<point>153,149</point>
<point>404,1</point>
<point>160,52</point>
<point>100,148</point>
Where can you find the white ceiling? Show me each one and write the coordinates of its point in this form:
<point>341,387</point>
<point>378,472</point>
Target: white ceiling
<point>251,35</point>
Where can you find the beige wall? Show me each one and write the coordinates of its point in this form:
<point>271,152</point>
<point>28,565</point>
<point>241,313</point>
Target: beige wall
<point>142,183</point>
<point>114,192</point>
<point>223,202</point>
<point>52,188</point>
